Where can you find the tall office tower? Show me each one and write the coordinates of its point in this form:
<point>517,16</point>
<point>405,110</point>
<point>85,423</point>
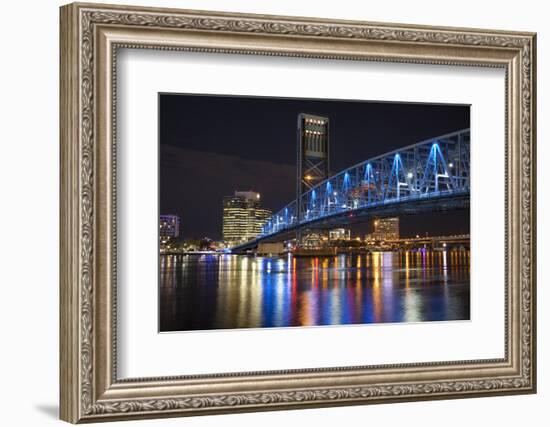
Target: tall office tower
<point>312,155</point>
<point>261,215</point>
<point>385,229</point>
<point>169,227</point>
<point>243,217</point>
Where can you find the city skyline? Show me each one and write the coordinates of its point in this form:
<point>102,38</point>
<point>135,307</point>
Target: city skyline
<point>243,224</point>
<point>226,162</point>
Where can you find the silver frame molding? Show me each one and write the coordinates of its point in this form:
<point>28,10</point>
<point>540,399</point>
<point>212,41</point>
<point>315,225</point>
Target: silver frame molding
<point>90,37</point>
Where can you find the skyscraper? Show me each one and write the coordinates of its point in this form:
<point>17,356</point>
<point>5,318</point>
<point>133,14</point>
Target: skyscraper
<point>243,217</point>
<point>169,227</point>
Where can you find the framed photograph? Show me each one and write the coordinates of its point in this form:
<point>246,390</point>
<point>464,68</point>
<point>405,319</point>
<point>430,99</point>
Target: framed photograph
<point>266,212</point>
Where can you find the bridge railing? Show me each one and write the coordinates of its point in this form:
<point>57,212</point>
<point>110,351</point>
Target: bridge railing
<point>430,168</point>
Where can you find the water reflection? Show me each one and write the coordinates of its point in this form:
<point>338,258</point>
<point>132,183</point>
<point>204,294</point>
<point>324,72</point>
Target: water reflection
<point>200,292</point>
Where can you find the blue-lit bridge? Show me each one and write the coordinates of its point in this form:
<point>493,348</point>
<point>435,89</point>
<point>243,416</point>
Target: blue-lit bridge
<point>432,175</point>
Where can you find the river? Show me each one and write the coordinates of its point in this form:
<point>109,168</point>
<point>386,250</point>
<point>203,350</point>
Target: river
<point>221,291</point>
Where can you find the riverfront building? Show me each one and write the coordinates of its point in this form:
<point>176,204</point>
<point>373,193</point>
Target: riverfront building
<point>339,234</point>
<point>385,229</point>
<point>243,217</point>
<point>169,227</point>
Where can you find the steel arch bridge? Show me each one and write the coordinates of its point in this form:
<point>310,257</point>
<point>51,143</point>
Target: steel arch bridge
<point>422,176</point>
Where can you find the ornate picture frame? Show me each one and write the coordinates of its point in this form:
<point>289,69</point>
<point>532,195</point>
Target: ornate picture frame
<point>90,37</point>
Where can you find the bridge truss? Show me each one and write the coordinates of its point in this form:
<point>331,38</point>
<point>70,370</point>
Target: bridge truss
<point>429,169</point>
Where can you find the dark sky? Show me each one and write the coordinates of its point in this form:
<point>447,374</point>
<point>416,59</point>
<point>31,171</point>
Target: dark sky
<point>211,146</point>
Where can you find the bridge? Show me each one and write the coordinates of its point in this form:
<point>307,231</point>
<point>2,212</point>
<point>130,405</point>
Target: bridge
<point>431,175</point>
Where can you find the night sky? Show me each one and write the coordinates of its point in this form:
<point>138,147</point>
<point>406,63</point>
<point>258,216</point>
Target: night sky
<point>211,146</point>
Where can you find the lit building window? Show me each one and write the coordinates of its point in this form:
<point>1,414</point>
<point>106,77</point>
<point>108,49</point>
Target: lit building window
<point>243,217</point>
